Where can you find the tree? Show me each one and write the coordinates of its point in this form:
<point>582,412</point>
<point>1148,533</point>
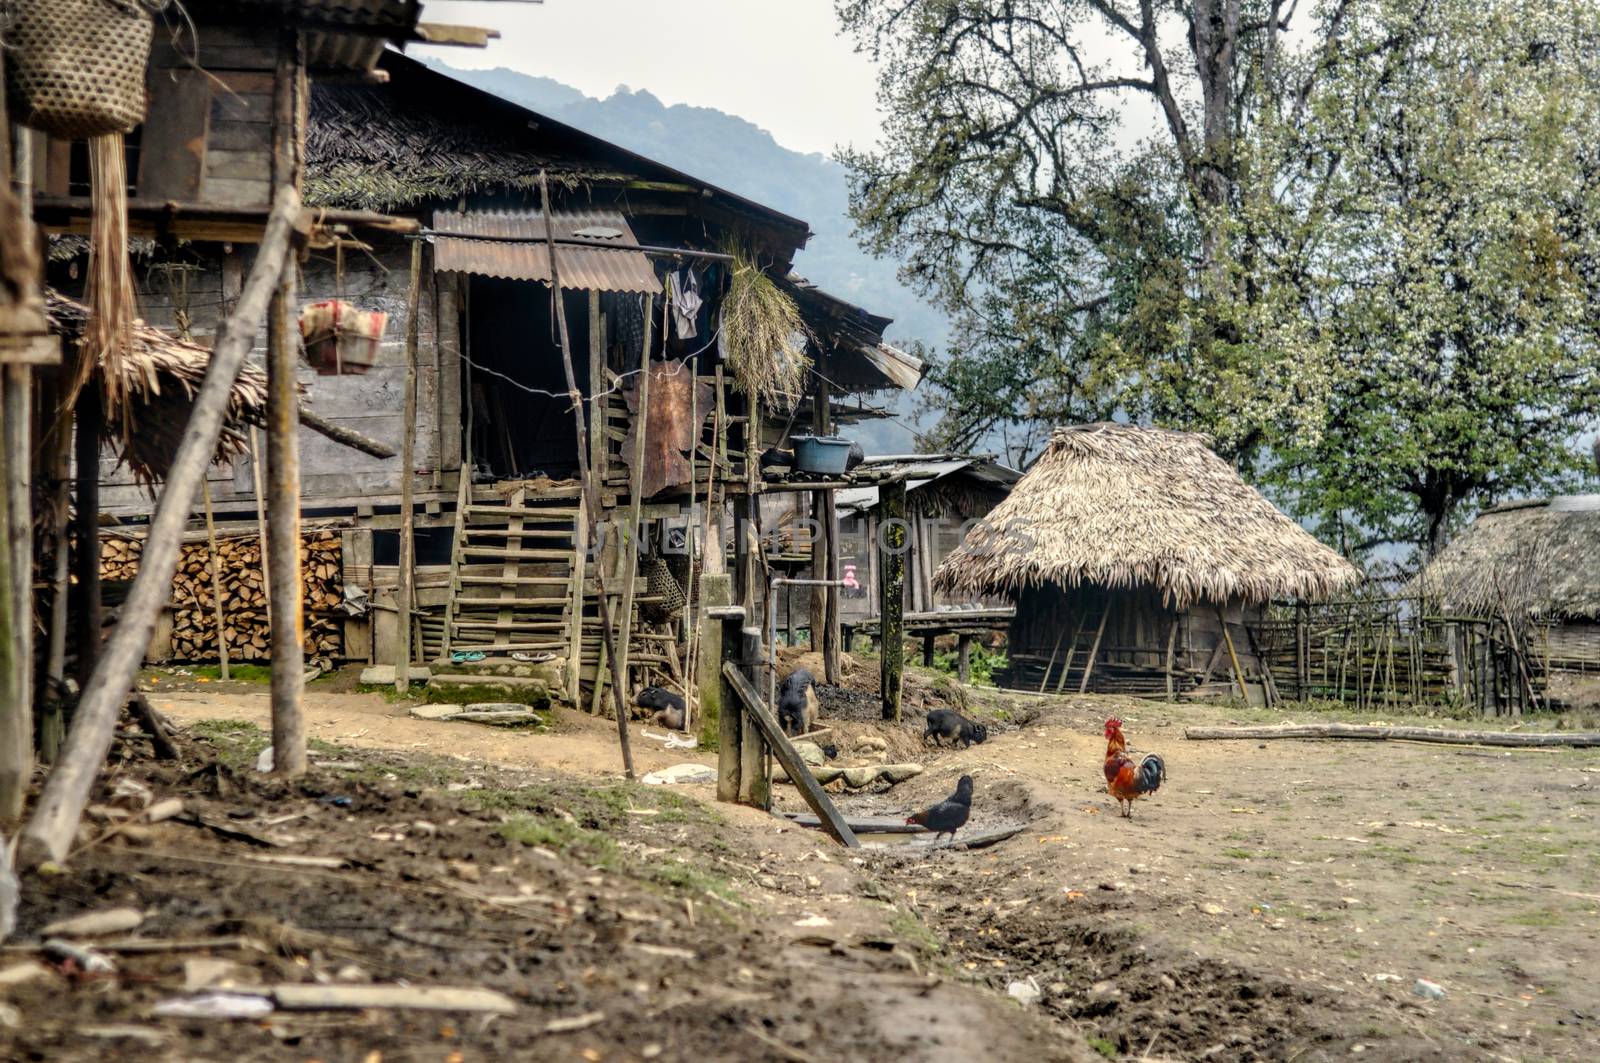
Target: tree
<point>1433,201</point>
<point>1071,212</point>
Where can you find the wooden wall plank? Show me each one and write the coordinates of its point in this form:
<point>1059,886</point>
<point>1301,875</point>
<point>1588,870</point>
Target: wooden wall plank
<point>172,146</point>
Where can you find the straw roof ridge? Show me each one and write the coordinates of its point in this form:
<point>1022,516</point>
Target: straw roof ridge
<point>1537,557</point>
<point>160,377</point>
<point>368,150</point>
<point>1121,506</point>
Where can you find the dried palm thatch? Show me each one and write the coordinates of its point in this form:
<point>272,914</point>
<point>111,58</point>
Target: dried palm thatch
<point>366,152</point>
<point>1122,507</point>
<point>763,337</point>
<point>157,378</point>
<point>1535,558</point>
<point>108,331</point>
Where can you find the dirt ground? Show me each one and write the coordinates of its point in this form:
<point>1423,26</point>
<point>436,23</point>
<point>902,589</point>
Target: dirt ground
<point>1275,901</point>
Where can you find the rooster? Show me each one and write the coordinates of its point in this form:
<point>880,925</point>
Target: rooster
<point>1124,780</point>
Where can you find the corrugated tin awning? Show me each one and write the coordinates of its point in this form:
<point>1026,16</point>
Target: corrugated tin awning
<point>605,257</point>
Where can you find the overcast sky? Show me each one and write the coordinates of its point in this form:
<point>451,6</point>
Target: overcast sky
<point>778,63</point>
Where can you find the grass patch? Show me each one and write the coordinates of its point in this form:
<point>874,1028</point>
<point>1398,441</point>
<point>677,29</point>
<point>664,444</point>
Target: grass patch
<point>1104,1047</point>
<point>1239,854</point>
<point>236,743</point>
<point>237,673</point>
<point>591,846</point>
<point>1542,917</point>
<point>687,878</point>
<point>914,932</point>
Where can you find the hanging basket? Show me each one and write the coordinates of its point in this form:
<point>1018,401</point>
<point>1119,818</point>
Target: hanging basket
<point>75,68</point>
<point>341,338</point>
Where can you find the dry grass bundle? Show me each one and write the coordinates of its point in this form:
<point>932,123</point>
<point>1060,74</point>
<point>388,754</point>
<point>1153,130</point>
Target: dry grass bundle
<point>157,378</point>
<point>763,337</point>
<point>112,308</point>
<point>1116,506</point>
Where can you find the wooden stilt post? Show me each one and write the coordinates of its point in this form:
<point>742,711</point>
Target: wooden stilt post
<point>258,480</point>
<point>216,583</point>
<point>730,729</point>
<point>405,597</point>
<point>927,651</point>
<point>49,833</point>
<point>892,539</point>
<point>1172,646</point>
<point>591,486</point>
<point>964,657</point>
<point>88,416</point>
<point>16,717</point>
<point>283,438</point>
<point>1233,654</point>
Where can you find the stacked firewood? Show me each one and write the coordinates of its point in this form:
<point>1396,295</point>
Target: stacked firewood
<point>245,622</point>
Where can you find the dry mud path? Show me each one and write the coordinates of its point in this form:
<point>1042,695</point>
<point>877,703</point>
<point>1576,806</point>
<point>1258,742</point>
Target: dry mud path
<point>1273,902</point>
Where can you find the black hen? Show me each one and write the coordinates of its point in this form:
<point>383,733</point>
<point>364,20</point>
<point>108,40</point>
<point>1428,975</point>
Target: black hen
<point>948,815</point>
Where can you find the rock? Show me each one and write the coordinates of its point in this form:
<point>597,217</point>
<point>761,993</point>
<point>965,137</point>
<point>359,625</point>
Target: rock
<point>433,711</point>
<point>811,753</point>
<point>681,774</point>
<point>767,882</point>
<point>856,778</point>
<point>1025,993</point>
<point>351,973</point>
<point>870,743</point>
<point>465,871</point>
<point>1213,909</point>
<point>382,675</point>
<point>90,924</point>
<point>1104,992</point>
<point>814,921</point>
<point>898,773</point>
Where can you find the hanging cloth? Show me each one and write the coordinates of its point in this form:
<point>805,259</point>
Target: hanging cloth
<point>686,303</point>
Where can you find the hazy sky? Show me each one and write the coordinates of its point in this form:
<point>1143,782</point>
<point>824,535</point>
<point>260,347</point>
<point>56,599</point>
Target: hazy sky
<point>778,63</point>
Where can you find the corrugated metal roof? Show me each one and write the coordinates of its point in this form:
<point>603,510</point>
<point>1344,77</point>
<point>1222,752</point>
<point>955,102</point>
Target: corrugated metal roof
<point>518,252</point>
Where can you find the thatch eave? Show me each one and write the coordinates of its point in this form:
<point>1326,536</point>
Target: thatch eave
<point>1536,557</point>
<point>1123,507</point>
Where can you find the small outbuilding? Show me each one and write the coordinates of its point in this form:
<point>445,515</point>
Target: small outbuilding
<point>1138,561</point>
<point>1535,562</point>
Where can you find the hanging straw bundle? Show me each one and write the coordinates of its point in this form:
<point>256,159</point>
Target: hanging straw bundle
<point>763,337</point>
<point>112,307</point>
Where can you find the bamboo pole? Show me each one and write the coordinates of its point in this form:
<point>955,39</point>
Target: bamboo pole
<point>591,489</point>
<point>405,593</point>
<point>1094,649</point>
<point>1439,736</point>
<point>88,415</point>
<point>258,481</point>
<point>1233,655</point>
<point>283,533</point>
<point>1072,653</point>
<point>49,833</point>
<point>216,581</point>
<point>1172,646</point>
<point>16,717</point>
<point>630,543</point>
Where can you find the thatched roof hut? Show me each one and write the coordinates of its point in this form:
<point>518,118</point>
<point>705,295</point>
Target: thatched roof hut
<point>1122,507</point>
<point>1137,556</point>
<point>1538,558</point>
<point>161,375</point>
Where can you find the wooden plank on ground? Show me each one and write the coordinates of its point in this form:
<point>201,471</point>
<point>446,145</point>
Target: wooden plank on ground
<point>796,768</point>
<point>1370,732</point>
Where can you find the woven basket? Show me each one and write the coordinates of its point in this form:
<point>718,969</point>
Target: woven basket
<point>660,582</point>
<point>75,68</point>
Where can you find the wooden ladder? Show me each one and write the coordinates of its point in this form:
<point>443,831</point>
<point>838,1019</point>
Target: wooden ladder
<point>1082,649</point>
<point>534,603</point>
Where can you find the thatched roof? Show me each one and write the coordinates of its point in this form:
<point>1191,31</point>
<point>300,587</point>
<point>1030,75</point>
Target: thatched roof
<point>1123,507</point>
<point>1539,558</point>
<point>366,149</point>
<point>160,377</point>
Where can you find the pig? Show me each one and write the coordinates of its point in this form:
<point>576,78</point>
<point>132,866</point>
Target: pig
<point>949,725</point>
<point>667,706</point>
<point>797,703</point>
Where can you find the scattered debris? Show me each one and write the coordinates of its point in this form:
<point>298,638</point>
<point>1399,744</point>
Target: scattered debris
<point>123,1032</point>
<point>208,972</point>
<point>1026,993</point>
<point>19,973</point>
<point>681,774</point>
<point>382,675</point>
<point>90,924</point>
<point>293,860</point>
<point>1428,990</point>
<point>575,1023</point>
<point>214,1005</point>
<point>419,998</point>
<point>812,920</point>
<point>89,961</point>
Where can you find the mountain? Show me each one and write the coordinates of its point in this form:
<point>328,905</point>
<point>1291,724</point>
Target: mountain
<point>738,155</point>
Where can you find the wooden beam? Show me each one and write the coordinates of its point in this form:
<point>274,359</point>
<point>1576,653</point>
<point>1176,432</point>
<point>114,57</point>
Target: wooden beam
<point>1233,655</point>
<point>892,594</point>
<point>88,415</point>
<point>408,420</point>
<point>49,833</point>
<point>629,540</point>
<point>347,436</point>
<point>457,36</point>
<point>215,566</point>
<point>799,772</point>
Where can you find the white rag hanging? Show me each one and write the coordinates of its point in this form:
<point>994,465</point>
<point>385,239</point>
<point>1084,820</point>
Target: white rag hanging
<point>686,303</point>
